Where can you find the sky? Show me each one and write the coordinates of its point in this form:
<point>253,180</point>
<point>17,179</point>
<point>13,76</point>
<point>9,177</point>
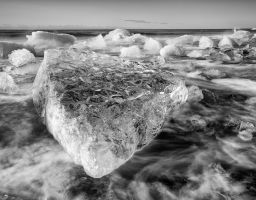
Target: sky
<point>155,14</point>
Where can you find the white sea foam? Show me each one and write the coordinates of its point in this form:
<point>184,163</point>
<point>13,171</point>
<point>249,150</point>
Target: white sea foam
<point>243,85</point>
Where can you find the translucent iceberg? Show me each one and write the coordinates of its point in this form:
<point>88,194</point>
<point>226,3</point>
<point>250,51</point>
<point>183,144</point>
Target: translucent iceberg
<point>241,37</point>
<point>172,50</point>
<point>194,94</point>
<point>181,40</point>
<point>97,42</point>
<point>117,35</point>
<point>103,109</point>
<point>205,42</point>
<point>225,43</point>
<point>152,46</point>
<point>131,52</point>
<point>136,38</point>
<point>41,40</point>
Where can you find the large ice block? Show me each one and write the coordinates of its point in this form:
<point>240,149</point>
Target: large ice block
<point>101,108</point>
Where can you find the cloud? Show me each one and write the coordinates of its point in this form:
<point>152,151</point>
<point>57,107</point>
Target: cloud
<point>143,21</point>
<point>138,21</point>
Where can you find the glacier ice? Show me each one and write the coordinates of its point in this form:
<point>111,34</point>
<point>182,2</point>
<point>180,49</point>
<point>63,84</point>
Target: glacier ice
<point>41,40</point>
<point>117,35</point>
<point>106,116</point>
<point>205,42</point>
<point>225,43</point>
<point>194,94</point>
<point>197,53</point>
<point>97,42</point>
<point>172,50</point>
<point>152,46</point>
<point>21,57</point>
<point>131,52</point>
<point>241,37</point>
<point>136,38</point>
<point>181,40</point>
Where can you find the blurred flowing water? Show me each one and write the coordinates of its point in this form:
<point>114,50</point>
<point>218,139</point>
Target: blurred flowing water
<point>201,153</point>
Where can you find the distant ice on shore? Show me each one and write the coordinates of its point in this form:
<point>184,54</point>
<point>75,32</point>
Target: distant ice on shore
<point>41,40</point>
<point>131,52</point>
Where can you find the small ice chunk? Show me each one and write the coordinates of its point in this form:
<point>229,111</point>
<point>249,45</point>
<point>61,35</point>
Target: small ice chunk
<point>195,74</point>
<point>117,35</point>
<point>7,83</point>
<point>251,101</point>
<point>21,57</point>
<point>152,46</point>
<point>197,121</point>
<point>214,73</point>
<point>225,43</point>
<point>246,131</point>
<point>205,42</point>
<point>194,94</point>
<point>131,52</point>
<point>245,135</point>
<point>97,42</point>
<point>172,50</point>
